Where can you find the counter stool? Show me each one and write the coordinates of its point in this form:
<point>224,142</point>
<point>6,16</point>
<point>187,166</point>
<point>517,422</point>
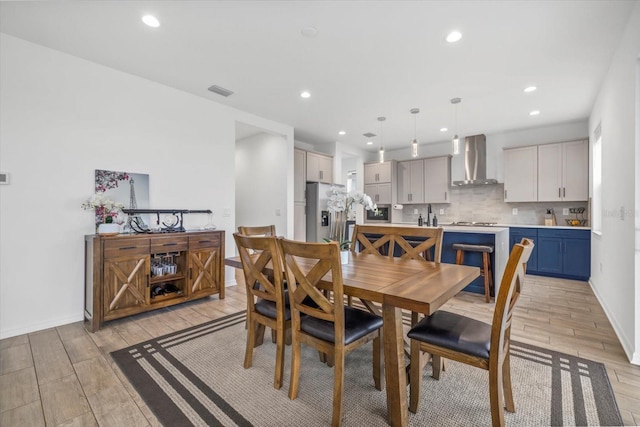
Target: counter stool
<point>485,271</point>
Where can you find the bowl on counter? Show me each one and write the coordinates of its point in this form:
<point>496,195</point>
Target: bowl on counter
<point>576,222</point>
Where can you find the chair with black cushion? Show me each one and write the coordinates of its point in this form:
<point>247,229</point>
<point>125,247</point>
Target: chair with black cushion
<point>460,338</point>
<point>323,323</point>
<point>258,230</point>
<point>266,298</point>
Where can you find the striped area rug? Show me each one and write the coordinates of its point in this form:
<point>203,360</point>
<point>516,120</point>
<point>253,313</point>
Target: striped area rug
<point>195,377</point>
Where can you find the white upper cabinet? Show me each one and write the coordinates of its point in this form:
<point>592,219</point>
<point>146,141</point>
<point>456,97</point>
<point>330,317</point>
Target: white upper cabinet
<point>319,168</point>
<point>299,175</point>
<point>411,181</point>
<point>521,174</point>
<point>437,176</point>
<point>563,171</point>
<point>377,172</point>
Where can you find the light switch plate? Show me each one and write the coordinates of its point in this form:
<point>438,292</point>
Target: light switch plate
<point>441,211</point>
<point>277,212</point>
<point>415,211</point>
<point>226,212</point>
<point>565,211</point>
<point>514,211</point>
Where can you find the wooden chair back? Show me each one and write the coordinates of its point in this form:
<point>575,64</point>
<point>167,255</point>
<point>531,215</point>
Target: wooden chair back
<point>258,230</point>
<point>383,240</point>
<point>510,289</point>
<point>256,253</point>
<point>304,282</point>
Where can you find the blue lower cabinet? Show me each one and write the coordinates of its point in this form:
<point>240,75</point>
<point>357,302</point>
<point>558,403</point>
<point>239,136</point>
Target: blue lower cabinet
<point>470,258</point>
<point>564,253</point>
<point>515,236</point>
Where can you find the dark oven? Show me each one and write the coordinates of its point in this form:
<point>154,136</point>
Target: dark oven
<point>382,215</point>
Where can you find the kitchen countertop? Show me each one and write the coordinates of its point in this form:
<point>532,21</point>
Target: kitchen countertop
<point>479,229</point>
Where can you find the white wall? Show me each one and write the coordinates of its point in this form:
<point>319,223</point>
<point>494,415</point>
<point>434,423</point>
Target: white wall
<point>615,254</point>
<point>261,181</point>
<point>63,117</point>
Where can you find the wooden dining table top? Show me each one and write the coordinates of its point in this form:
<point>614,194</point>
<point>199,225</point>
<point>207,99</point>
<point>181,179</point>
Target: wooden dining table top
<point>404,283</point>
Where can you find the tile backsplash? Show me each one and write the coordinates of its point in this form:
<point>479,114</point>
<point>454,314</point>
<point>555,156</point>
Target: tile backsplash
<point>486,204</point>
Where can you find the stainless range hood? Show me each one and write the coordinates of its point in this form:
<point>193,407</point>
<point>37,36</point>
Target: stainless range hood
<point>475,162</point>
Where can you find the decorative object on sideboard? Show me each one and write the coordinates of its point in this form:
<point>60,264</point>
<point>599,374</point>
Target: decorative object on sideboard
<point>106,212</point>
<point>172,222</point>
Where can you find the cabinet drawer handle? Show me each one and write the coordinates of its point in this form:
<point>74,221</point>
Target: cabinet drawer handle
<point>559,195</point>
<point>445,195</point>
<point>505,194</point>
<point>170,244</point>
<point>126,248</point>
<point>564,191</point>
<point>204,241</point>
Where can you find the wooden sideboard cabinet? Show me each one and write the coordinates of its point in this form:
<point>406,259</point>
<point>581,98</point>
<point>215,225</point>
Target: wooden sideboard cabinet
<point>131,274</point>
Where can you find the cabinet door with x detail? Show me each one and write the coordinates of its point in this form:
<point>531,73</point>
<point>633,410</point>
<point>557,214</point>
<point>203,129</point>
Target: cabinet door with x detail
<point>203,271</point>
<point>126,283</point>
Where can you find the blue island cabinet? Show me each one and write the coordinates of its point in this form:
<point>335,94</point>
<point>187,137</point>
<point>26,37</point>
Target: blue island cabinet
<point>564,253</point>
<point>515,236</point>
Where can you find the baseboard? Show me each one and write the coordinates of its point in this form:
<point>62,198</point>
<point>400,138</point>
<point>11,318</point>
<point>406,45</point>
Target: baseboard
<point>627,345</point>
<point>39,326</point>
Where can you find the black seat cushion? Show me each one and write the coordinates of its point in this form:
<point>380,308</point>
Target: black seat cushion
<point>268,308</point>
<point>454,332</point>
<point>357,323</point>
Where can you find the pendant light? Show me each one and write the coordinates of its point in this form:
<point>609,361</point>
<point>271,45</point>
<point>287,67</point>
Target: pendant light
<point>455,142</point>
<point>381,152</point>
<point>414,142</point>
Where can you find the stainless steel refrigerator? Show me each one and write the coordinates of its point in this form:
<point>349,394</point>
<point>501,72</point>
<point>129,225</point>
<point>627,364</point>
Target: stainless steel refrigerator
<point>318,216</point>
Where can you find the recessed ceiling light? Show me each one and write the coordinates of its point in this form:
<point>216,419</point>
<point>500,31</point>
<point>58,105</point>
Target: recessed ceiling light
<point>369,142</point>
<point>151,21</point>
<point>454,36</point>
<point>342,132</point>
<point>530,89</point>
<point>305,94</point>
<point>443,129</point>
<point>534,113</point>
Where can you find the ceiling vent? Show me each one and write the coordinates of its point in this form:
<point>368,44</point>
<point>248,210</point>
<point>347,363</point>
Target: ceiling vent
<point>220,90</point>
<point>369,134</point>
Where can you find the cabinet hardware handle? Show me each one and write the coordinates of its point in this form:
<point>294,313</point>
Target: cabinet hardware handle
<point>124,248</point>
<point>204,241</point>
<point>190,273</point>
<point>564,191</point>
<point>445,195</point>
<point>559,192</point>
<point>505,194</point>
<point>321,175</point>
<point>170,244</point>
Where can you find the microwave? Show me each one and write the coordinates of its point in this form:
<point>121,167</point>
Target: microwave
<point>383,214</point>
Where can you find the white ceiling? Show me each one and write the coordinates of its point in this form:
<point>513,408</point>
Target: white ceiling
<point>368,59</point>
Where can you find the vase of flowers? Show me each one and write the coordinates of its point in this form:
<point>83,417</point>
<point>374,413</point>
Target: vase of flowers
<point>106,213</point>
<point>341,205</point>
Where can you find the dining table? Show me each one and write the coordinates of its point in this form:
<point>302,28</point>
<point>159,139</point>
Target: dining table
<point>387,286</point>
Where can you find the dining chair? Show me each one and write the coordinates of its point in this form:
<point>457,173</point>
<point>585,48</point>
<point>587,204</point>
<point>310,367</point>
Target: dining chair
<point>460,338</point>
<point>266,298</point>
<point>330,327</point>
<point>403,242</point>
<point>258,230</point>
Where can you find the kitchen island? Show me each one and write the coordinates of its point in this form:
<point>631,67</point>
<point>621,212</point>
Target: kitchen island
<point>496,236</point>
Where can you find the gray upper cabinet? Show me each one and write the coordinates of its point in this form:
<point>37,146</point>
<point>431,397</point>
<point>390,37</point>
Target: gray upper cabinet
<point>319,168</point>
<point>521,174</point>
<point>563,172</point>
<point>437,176</point>
<point>375,173</point>
<point>411,181</point>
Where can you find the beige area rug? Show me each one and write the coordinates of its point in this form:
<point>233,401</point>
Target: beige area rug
<point>195,377</point>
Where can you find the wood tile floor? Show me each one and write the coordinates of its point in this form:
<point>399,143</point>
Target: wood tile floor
<point>65,376</point>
